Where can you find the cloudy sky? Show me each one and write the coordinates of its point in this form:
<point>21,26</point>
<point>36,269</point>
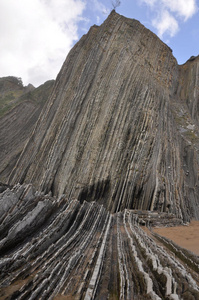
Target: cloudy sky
<point>36,35</point>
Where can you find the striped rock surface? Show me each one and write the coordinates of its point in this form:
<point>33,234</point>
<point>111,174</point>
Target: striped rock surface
<point>121,126</point>
<point>60,249</point>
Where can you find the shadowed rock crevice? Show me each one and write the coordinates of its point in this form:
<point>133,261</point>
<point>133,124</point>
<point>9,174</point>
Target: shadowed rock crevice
<point>97,192</point>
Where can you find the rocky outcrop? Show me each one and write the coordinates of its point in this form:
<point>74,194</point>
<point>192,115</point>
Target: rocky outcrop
<point>121,126</point>
<point>55,248</point>
<point>20,108</point>
<point>121,131</point>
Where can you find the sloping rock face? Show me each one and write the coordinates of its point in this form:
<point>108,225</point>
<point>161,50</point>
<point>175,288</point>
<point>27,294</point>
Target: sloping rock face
<point>60,249</point>
<point>121,126</point>
<point>20,108</point>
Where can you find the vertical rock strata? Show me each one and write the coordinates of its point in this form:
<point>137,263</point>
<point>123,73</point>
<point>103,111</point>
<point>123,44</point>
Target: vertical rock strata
<point>121,126</point>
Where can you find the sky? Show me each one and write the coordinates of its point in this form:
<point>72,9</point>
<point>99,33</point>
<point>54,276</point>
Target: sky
<point>36,35</point>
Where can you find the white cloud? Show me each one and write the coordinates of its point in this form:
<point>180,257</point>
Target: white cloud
<point>166,23</point>
<point>149,2</point>
<point>100,7</point>
<point>169,14</point>
<point>183,8</point>
<point>35,36</point>
<point>98,20</point>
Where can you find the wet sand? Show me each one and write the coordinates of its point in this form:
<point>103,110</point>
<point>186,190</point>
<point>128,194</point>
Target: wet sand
<point>185,236</point>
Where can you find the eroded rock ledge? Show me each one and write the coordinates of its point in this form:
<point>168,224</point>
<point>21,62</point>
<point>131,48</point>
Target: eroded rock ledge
<point>59,249</point>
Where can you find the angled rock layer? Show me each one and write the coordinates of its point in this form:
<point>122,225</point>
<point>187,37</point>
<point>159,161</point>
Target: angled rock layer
<point>121,126</point>
<point>60,249</point>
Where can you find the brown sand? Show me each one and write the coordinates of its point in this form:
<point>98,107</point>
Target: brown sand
<point>184,236</point>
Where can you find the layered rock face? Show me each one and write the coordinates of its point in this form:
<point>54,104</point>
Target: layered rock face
<point>120,129</point>
<point>20,108</point>
<point>60,249</point>
<point>121,126</point>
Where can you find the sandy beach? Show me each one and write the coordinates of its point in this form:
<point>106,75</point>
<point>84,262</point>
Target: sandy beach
<point>185,236</point>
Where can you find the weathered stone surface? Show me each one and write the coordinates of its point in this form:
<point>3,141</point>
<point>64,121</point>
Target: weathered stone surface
<point>7,199</point>
<point>121,126</point>
<point>61,249</point>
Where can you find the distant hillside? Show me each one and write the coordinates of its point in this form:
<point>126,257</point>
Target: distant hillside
<point>20,107</point>
<point>12,93</point>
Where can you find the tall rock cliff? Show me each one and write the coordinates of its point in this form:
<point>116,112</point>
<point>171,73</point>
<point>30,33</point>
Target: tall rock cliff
<point>121,126</point>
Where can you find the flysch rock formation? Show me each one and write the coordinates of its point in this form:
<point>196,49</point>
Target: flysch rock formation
<point>114,148</point>
<point>54,248</point>
<point>121,126</point>
<point>20,108</point>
